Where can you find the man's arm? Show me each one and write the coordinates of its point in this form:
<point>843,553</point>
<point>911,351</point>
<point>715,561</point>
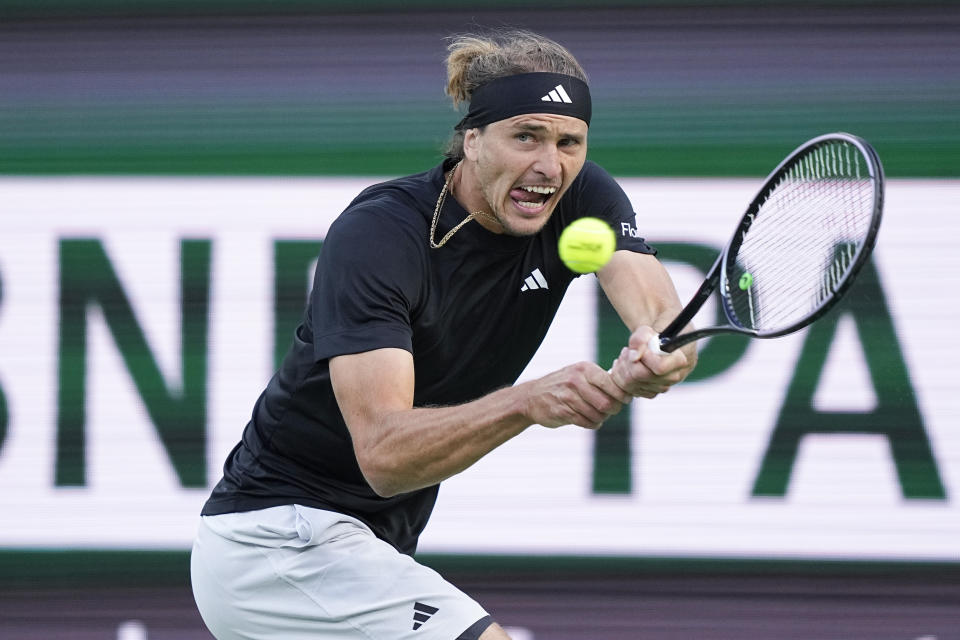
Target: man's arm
<point>643,294</point>
<point>401,448</point>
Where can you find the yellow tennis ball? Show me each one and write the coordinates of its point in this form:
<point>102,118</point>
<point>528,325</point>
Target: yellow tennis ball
<point>587,244</point>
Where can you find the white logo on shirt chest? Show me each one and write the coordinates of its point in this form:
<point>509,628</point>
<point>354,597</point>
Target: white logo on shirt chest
<point>534,281</point>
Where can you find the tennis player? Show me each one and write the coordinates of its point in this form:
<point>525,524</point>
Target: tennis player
<point>431,295</point>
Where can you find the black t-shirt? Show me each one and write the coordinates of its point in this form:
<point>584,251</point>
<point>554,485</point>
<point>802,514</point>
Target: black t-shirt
<point>472,313</point>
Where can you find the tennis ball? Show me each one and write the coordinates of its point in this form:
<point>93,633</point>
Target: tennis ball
<point>587,244</point>
<point>746,281</point>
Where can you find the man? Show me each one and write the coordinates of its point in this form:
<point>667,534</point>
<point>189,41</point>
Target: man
<point>402,372</point>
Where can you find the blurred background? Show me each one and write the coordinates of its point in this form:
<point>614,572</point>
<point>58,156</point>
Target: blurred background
<point>309,87</point>
<point>126,121</point>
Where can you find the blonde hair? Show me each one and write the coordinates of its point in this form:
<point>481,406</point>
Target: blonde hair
<point>474,60</point>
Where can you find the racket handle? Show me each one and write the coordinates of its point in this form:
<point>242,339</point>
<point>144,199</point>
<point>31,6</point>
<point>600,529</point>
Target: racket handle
<point>654,346</point>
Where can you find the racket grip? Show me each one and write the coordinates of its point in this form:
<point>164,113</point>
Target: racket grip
<point>654,346</point>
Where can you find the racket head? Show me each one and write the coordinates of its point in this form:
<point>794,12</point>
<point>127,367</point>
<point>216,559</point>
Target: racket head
<point>804,237</point>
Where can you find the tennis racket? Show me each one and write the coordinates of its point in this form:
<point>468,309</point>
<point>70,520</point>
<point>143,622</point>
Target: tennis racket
<point>798,247</point>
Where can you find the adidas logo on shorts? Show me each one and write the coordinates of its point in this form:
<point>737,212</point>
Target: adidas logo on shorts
<point>422,613</point>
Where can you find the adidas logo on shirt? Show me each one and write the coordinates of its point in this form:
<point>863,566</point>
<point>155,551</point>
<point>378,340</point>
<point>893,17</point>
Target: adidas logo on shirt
<point>557,95</point>
<point>534,281</point>
<point>422,613</point>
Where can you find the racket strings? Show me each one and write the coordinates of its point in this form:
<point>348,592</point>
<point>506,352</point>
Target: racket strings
<point>803,281</point>
<point>803,239</point>
<point>805,192</point>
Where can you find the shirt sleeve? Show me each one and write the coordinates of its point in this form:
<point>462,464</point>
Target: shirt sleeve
<point>367,285</point>
<point>602,197</point>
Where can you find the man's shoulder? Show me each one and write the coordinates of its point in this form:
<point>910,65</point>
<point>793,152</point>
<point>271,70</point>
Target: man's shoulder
<point>404,202</point>
<point>391,217</point>
<point>592,175</point>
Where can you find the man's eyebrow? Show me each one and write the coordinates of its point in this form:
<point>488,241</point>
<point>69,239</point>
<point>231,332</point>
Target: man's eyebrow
<point>539,128</point>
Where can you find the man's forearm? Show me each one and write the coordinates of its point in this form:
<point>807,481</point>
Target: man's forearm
<point>420,447</point>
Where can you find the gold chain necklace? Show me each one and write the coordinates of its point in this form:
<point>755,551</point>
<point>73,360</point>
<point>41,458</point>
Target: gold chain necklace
<point>436,213</point>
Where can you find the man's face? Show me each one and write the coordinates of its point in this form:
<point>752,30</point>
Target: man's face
<point>521,166</point>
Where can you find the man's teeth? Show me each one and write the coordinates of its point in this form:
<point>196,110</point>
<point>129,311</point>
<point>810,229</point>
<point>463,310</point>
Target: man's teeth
<point>528,205</point>
<point>541,190</point>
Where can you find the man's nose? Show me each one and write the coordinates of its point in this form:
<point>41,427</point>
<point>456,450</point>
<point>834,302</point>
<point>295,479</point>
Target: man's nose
<point>548,162</point>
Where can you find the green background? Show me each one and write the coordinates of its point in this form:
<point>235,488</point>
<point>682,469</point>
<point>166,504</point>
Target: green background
<point>338,88</point>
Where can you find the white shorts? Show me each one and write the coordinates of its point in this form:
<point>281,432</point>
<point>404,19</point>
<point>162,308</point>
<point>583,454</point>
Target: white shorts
<point>294,572</point>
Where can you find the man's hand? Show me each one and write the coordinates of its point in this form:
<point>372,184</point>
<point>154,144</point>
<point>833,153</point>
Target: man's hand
<point>645,373</point>
<point>582,394</point>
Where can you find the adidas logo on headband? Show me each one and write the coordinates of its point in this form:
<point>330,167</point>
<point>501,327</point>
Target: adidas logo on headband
<point>557,95</point>
<point>514,95</point>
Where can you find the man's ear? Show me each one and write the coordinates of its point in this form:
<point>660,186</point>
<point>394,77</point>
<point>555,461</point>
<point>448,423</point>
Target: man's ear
<point>471,144</point>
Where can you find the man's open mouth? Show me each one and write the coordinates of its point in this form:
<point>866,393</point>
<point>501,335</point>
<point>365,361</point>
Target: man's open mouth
<point>532,197</point>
